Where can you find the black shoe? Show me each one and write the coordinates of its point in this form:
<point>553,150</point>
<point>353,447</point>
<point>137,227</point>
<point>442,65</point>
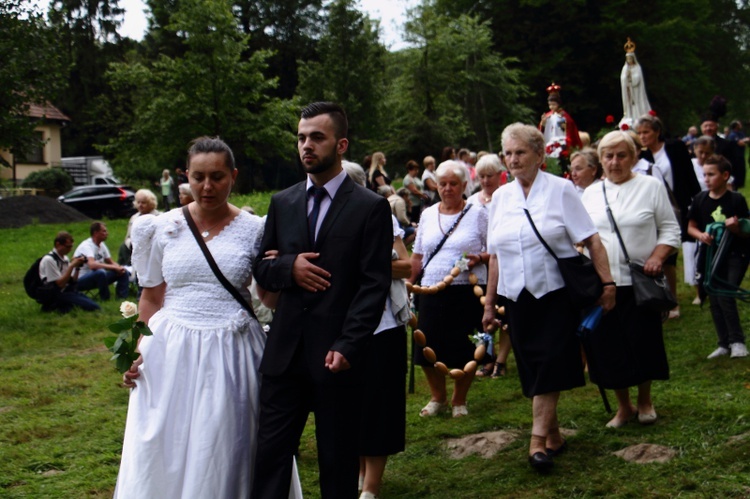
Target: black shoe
<point>559,450</point>
<point>540,462</point>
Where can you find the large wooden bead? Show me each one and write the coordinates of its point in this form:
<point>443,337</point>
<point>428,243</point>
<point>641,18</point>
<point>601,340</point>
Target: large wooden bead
<point>448,280</point>
<point>482,300</point>
<point>455,271</point>
<point>478,291</point>
<point>429,355</point>
<point>480,351</point>
<point>501,310</point>
<point>419,338</point>
<point>441,286</point>
<point>433,290</point>
<point>409,286</point>
<point>416,289</point>
<point>470,367</point>
<point>413,321</point>
<point>457,374</point>
<point>442,368</point>
<point>473,279</point>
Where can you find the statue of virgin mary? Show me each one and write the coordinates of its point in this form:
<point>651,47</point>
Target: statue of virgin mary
<point>634,100</point>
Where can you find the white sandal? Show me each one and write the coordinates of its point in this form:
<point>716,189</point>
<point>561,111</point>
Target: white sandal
<point>460,411</point>
<point>433,408</point>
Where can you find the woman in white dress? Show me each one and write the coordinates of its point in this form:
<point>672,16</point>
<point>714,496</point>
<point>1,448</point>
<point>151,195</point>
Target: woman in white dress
<point>193,410</point>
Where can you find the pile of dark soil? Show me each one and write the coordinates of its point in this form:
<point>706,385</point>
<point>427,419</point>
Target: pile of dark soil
<point>19,211</point>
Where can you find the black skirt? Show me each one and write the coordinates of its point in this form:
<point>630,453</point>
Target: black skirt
<point>543,334</point>
<point>448,319</point>
<point>628,347</point>
<point>383,422</point>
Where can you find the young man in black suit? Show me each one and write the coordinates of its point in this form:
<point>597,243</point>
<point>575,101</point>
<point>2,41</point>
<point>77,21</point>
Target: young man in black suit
<point>332,243</point>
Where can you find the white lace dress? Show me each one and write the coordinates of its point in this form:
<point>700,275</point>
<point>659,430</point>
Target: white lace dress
<point>193,416</point>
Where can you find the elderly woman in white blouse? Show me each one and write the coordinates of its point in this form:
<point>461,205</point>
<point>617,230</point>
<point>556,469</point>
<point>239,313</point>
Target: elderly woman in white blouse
<point>450,316</point>
<point>628,349</point>
<point>542,319</point>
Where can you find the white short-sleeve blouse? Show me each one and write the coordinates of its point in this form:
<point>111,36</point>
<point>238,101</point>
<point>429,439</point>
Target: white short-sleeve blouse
<point>559,216</point>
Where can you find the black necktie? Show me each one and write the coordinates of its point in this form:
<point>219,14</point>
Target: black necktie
<point>317,193</point>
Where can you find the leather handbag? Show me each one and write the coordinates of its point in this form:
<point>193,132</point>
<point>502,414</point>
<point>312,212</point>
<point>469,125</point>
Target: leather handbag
<point>651,292</point>
<point>583,284</point>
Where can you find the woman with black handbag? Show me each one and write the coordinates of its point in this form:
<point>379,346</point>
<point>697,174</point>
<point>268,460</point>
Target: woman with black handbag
<point>639,230</point>
<point>534,223</point>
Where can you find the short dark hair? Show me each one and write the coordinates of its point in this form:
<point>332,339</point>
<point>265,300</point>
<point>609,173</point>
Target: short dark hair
<point>412,165</point>
<point>95,227</point>
<point>654,123</point>
<point>63,237</point>
<point>335,111</point>
<point>206,145</point>
<point>722,163</point>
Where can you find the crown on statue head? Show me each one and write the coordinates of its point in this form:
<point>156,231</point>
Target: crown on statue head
<point>629,46</point>
<point>554,89</point>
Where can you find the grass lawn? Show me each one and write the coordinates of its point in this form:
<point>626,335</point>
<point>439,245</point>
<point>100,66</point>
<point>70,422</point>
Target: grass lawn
<point>62,413</point>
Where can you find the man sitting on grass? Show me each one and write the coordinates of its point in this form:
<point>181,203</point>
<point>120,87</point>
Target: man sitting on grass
<point>56,267</point>
<point>99,270</point>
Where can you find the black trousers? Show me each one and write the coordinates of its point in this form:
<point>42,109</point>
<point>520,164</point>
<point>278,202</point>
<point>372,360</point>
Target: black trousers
<point>285,403</point>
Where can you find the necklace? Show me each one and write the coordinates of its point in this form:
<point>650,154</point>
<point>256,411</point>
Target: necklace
<point>207,232</point>
<point>440,223</point>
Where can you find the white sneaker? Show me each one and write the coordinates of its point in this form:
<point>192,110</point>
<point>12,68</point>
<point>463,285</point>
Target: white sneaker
<point>738,350</point>
<point>368,495</point>
<point>719,352</point>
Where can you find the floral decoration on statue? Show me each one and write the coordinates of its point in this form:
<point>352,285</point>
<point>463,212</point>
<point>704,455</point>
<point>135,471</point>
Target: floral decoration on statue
<point>556,148</point>
<point>127,331</point>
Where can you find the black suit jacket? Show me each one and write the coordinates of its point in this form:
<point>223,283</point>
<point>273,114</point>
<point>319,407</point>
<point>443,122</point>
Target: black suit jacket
<point>686,185</point>
<point>354,242</point>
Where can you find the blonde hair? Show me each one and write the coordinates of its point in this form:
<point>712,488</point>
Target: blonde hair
<point>489,163</point>
<point>376,164</point>
<point>149,196</point>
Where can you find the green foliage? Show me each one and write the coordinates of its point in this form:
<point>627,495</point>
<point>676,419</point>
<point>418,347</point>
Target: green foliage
<point>52,179</point>
<point>453,88</point>
<point>689,50</point>
<point>124,345</point>
<point>350,71</point>
<point>215,88</point>
<point>30,72</point>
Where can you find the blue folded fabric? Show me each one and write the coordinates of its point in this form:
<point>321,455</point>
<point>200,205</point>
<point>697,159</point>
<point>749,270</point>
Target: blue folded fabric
<point>591,321</point>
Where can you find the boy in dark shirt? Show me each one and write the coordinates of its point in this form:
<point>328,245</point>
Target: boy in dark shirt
<point>719,204</point>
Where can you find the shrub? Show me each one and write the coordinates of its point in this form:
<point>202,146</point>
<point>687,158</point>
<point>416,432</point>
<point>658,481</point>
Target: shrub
<point>51,179</point>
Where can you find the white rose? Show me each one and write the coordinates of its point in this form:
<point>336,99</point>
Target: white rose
<point>128,309</point>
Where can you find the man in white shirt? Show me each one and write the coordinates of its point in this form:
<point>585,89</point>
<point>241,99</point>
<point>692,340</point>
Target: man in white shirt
<point>99,270</point>
<point>56,267</point>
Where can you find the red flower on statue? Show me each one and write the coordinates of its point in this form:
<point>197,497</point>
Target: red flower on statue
<point>609,119</point>
<point>624,127</point>
<point>652,112</point>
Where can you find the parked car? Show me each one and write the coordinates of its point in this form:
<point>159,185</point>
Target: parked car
<point>97,201</point>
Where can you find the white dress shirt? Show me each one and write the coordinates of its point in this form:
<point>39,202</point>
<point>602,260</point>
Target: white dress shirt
<point>560,218</point>
<point>643,215</point>
<point>332,187</point>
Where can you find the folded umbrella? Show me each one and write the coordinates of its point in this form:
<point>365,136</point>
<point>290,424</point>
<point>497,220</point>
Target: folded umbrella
<point>590,322</point>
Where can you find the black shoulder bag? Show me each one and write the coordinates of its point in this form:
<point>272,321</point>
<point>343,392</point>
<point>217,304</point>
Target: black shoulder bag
<point>441,243</point>
<point>650,292</point>
<point>212,263</point>
<point>583,284</point>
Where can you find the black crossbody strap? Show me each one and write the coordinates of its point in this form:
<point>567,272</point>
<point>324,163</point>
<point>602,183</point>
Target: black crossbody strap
<point>442,242</point>
<point>212,263</point>
<point>614,224</point>
<point>539,236</point>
